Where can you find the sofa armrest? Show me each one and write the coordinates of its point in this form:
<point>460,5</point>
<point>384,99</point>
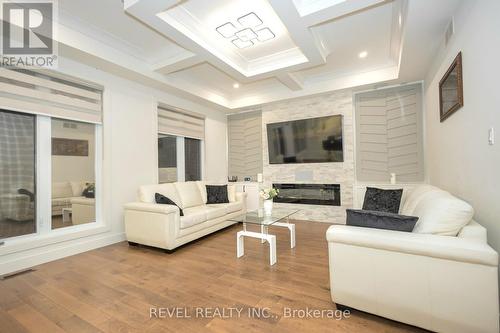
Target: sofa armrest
<point>152,208</point>
<point>443,247</point>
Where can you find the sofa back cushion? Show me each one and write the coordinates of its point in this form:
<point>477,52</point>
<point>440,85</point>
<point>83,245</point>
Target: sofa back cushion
<point>189,194</point>
<point>203,190</point>
<point>414,197</point>
<point>77,188</point>
<point>147,193</point>
<point>61,190</point>
<point>441,213</point>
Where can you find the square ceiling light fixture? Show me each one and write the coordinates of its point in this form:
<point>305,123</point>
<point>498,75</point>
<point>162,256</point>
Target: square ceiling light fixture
<point>245,33</point>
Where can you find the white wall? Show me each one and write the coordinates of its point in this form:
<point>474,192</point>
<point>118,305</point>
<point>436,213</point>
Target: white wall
<point>459,157</point>
<point>73,168</point>
<point>129,160</point>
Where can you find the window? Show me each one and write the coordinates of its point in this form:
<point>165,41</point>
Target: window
<point>167,158</point>
<point>179,159</point>
<point>17,174</point>
<point>73,173</point>
<point>180,144</point>
<point>49,152</point>
<point>192,158</point>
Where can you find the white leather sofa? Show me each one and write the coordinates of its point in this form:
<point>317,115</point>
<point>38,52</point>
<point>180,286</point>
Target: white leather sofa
<point>19,207</point>
<point>63,193</point>
<point>443,276</point>
<point>161,226</point>
<point>82,210</point>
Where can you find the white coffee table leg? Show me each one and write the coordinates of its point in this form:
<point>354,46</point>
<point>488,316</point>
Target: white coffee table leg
<point>290,227</point>
<point>240,244</point>
<point>262,231</point>
<point>272,249</point>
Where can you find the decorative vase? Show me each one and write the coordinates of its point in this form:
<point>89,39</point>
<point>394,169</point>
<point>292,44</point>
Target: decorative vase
<point>268,206</point>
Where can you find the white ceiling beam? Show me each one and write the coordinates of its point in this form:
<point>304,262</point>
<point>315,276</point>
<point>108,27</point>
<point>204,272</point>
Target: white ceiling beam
<point>177,63</point>
<point>290,80</point>
<point>336,11</point>
<point>299,31</point>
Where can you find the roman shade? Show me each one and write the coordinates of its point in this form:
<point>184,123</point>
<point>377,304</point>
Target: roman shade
<point>245,145</point>
<point>180,123</point>
<point>389,132</point>
<point>46,94</point>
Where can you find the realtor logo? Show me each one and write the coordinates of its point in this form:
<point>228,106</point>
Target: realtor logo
<point>28,34</point>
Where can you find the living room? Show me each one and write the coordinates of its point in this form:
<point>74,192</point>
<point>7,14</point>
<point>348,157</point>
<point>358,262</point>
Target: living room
<point>272,165</point>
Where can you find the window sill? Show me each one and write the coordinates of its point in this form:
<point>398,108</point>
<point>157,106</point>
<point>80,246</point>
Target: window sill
<point>34,241</point>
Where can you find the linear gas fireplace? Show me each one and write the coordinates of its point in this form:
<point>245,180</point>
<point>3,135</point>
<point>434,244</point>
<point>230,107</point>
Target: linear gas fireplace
<point>309,194</point>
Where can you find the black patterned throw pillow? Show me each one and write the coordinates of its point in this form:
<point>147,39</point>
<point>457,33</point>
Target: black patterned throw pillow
<point>161,199</point>
<point>217,194</point>
<point>382,200</point>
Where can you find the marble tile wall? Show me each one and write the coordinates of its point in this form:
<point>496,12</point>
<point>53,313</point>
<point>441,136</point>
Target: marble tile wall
<point>323,173</point>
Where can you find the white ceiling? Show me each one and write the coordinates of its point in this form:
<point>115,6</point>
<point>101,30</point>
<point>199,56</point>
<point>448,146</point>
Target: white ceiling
<point>174,44</point>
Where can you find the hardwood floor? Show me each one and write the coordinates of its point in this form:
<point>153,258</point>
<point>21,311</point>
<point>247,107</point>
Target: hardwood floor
<point>113,289</point>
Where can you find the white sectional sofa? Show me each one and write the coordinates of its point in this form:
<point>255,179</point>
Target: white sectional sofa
<point>442,277</point>
<point>63,193</point>
<point>162,226</point>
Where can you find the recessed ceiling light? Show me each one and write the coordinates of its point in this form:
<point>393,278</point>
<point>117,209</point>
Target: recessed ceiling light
<point>246,34</point>
<point>250,20</point>
<point>242,44</point>
<point>236,85</point>
<point>363,54</point>
<point>227,30</point>
<point>264,34</point>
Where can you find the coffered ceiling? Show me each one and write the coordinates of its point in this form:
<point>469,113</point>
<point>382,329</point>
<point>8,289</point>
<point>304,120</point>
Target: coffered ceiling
<point>236,54</point>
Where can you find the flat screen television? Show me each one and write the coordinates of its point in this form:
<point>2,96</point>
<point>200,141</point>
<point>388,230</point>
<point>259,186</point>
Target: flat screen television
<point>315,140</point>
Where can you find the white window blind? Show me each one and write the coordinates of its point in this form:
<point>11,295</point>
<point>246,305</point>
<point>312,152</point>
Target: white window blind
<point>39,93</point>
<point>245,145</point>
<point>389,135</point>
<point>180,123</point>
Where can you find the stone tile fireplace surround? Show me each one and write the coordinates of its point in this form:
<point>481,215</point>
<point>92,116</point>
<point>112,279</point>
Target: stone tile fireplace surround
<point>341,173</point>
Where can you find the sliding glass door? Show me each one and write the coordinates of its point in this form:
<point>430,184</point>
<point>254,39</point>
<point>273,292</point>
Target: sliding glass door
<point>73,173</point>
<point>17,174</point>
<point>48,170</point>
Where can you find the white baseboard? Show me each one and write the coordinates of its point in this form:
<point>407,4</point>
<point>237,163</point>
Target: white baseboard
<point>28,259</point>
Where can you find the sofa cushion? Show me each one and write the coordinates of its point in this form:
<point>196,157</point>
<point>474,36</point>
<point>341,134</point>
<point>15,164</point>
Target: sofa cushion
<point>441,213</point>
<point>215,211</point>
<point>77,188</point>
<point>163,200</point>
<point>193,216</point>
<point>217,194</point>
<point>147,193</point>
<point>62,202</point>
<point>415,196</point>
<point>203,190</point>
<point>189,194</point>
<point>380,220</point>
<point>382,200</point>
<point>61,190</point>
<point>229,207</point>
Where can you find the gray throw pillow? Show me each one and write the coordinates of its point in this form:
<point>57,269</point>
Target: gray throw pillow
<point>217,194</point>
<point>380,220</point>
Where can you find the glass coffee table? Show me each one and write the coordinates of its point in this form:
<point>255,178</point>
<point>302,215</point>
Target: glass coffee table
<point>280,217</point>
